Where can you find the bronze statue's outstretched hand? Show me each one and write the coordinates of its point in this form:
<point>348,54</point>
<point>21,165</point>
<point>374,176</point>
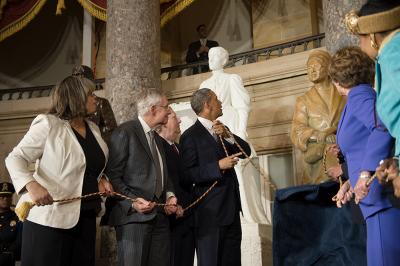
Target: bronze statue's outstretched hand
<point>333,149</point>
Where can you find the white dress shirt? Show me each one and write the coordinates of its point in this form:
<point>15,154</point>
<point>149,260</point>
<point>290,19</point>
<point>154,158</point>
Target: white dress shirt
<point>208,124</point>
<point>147,129</point>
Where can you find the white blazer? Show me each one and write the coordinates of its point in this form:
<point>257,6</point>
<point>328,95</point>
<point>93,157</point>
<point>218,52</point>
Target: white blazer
<point>60,169</point>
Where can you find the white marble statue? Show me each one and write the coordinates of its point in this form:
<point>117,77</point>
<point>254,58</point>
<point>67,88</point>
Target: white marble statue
<point>236,106</point>
<point>230,91</point>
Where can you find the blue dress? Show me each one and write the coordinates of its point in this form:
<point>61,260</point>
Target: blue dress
<point>364,141</point>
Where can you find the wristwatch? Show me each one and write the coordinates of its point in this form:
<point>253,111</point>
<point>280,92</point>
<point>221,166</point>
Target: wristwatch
<point>365,175</point>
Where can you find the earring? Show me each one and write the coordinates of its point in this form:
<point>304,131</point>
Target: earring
<point>374,45</point>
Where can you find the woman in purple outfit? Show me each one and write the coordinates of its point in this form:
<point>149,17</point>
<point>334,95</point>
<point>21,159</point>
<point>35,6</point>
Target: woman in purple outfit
<point>364,142</point>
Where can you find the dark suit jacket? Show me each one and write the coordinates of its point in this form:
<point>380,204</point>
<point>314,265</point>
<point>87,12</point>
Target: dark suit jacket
<point>200,155</point>
<point>182,191</point>
<point>191,56</point>
<point>132,172</point>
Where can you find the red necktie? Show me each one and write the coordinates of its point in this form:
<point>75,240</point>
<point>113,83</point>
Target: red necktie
<point>175,148</point>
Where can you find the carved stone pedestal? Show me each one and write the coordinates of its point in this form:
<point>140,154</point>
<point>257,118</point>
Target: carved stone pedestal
<point>256,244</point>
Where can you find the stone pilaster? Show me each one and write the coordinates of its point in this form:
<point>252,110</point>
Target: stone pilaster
<point>133,52</point>
<point>335,31</point>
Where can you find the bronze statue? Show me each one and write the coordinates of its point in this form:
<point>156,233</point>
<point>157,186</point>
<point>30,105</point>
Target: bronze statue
<point>316,118</point>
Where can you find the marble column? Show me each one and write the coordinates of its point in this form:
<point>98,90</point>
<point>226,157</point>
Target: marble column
<point>336,35</point>
<point>133,52</point>
<point>132,63</point>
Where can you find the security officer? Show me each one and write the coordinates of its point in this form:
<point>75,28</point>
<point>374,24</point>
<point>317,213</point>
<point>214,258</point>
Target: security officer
<point>10,228</point>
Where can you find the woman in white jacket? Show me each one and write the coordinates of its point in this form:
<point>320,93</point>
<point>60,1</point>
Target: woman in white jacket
<point>71,158</point>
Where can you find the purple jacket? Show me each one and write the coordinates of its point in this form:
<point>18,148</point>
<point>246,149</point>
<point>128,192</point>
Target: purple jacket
<point>364,142</point>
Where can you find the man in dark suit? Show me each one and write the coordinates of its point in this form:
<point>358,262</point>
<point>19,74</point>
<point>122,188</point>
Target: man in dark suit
<point>216,217</point>
<point>198,50</point>
<point>182,232</point>
<point>137,168</point>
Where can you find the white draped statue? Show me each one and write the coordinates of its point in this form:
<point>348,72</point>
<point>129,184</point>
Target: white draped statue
<point>235,107</point>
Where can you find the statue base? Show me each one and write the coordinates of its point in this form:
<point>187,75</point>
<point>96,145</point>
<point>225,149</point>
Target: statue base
<point>256,244</point>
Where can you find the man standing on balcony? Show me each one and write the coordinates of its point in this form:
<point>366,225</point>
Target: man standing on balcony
<point>198,50</point>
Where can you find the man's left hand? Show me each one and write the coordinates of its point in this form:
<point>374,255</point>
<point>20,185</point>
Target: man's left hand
<point>171,206</point>
<point>105,186</point>
<point>220,129</point>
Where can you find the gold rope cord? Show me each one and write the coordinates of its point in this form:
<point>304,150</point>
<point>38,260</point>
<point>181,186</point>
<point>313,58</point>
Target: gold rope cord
<point>369,181</point>
<point>21,22</point>
<point>22,211</point>
<point>259,170</point>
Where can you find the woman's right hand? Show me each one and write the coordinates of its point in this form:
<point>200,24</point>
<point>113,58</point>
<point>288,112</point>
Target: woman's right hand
<point>39,194</point>
<point>344,194</point>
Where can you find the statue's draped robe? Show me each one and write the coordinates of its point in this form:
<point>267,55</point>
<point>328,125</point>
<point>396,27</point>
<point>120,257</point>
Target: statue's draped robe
<point>313,114</point>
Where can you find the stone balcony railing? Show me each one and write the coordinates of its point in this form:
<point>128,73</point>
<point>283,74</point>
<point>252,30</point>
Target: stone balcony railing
<point>168,73</point>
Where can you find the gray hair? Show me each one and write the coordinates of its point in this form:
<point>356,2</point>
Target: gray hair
<point>147,98</point>
<point>69,97</point>
<point>199,98</point>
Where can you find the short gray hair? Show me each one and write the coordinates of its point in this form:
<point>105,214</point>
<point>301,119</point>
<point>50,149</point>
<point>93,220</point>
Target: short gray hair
<point>146,98</point>
<point>199,98</point>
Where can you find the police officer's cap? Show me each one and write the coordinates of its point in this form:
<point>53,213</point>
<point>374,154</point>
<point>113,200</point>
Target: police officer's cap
<point>6,189</point>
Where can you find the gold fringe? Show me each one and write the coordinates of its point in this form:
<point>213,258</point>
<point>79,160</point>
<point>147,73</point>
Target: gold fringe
<point>94,9</point>
<point>22,22</point>
<point>2,4</point>
<point>174,10</point>
<point>166,16</point>
<point>60,7</point>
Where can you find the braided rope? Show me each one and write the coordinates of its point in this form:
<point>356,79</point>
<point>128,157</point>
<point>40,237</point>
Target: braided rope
<point>260,171</point>
<point>369,181</point>
<point>29,205</point>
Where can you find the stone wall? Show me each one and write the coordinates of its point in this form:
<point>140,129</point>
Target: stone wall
<point>276,21</point>
<point>273,86</point>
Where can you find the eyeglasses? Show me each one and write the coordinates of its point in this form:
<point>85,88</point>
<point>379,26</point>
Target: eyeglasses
<point>166,107</point>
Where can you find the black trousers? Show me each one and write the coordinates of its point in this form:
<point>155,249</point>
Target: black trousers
<point>144,243</point>
<point>48,246</point>
<point>182,243</point>
<point>219,245</point>
<point>7,259</point>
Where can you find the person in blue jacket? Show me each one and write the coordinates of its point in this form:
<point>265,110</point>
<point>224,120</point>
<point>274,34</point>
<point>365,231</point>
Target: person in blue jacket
<point>364,142</point>
<point>377,24</point>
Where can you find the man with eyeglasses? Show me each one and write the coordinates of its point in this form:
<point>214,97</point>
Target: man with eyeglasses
<point>137,168</point>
